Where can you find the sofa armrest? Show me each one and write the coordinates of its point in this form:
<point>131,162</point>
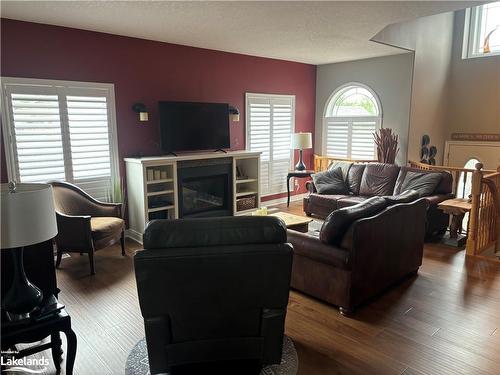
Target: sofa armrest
<point>434,200</point>
<point>74,232</point>
<point>310,186</point>
<point>311,247</point>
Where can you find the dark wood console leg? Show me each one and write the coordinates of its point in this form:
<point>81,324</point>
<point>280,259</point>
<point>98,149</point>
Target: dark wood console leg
<point>346,312</point>
<point>71,351</point>
<point>55,340</point>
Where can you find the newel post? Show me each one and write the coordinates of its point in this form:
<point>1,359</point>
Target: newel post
<point>477,176</point>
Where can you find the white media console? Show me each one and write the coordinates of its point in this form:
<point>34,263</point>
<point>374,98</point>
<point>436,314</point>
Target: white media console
<point>191,185</point>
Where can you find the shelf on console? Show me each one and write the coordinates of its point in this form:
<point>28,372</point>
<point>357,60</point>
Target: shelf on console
<point>161,192</point>
<point>246,180</point>
<point>155,209</point>
<point>243,193</point>
<point>159,181</point>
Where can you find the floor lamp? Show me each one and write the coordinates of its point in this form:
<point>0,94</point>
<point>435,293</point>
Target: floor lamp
<point>28,217</point>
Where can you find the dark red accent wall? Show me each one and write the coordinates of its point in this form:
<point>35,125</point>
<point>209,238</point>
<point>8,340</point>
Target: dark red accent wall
<point>147,71</point>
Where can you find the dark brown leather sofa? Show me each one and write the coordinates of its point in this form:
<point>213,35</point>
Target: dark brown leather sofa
<point>213,290</point>
<point>363,258</point>
<point>378,179</point>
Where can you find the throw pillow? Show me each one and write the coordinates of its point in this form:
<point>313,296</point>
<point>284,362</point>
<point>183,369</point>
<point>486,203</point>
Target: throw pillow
<point>338,222</point>
<point>423,183</point>
<point>330,182</point>
<point>345,166</point>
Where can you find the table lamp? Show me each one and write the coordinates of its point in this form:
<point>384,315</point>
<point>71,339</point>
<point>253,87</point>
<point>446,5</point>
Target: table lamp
<point>301,141</point>
<point>27,218</point>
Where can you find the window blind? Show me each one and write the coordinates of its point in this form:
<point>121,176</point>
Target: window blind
<point>270,123</point>
<point>62,131</point>
<point>351,137</point>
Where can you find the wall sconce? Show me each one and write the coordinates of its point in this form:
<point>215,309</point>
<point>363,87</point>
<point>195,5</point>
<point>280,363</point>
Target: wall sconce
<point>140,108</point>
<point>234,113</point>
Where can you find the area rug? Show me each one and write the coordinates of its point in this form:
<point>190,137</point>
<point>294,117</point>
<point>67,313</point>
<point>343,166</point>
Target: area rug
<point>137,361</point>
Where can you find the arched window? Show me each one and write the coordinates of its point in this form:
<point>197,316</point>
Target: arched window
<point>352,114</point>
<point>464,187</point>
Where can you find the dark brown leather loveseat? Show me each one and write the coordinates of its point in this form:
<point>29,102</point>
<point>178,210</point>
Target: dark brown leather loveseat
<point>214,289</point>
<point>351,262</point>
<point>378,179</point>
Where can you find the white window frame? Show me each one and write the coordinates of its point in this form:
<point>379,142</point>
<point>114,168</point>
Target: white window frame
<point>249,95</point>
<point>61,88</point>
<point>472,31</point>
<point>349,119</point>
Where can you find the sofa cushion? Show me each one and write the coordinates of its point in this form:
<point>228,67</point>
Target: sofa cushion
<point>325,200</point>
<point>330,182</point>
<point>354,177</point>
<point>444,186</point>
<point>337,223</point>
<point>378,179</point>
<point>423,183</point>
<point>350,201</point>
<point>103,227</point>
<point>406,196</point>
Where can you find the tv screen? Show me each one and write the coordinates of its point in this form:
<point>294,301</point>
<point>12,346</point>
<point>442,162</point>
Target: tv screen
<point>186,126</point>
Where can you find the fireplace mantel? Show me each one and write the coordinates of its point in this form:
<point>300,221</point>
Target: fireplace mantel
<point>154,186</point>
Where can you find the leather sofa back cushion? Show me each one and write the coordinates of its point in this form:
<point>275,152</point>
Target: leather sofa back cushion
<point>330,181</point>
<point>354,177</point>
<point>423,183</point>
<point>204,232</point>
<point>337,223</point>
<point>406,196</point>
<point>444,186</point>
<point>378,179</point>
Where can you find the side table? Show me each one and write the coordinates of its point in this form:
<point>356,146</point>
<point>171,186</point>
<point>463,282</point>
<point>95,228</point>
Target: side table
<point>33,331</point>
<point>297,174</point>
<point>457,208</point>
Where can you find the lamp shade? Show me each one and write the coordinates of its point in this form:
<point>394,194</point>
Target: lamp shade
<point>301,141</point>
<point>28,215</point>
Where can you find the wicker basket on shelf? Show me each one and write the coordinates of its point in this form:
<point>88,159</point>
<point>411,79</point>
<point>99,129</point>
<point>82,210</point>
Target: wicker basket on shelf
<point>246,203</point>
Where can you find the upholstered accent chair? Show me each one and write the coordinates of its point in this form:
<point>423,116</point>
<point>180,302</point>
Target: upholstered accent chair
<point>214,289</point>
<point>85,224</point>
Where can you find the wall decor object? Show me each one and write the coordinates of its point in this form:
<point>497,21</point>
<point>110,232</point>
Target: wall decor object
<point>484,137</point>
<point>140,108</point>
<point>387,145</point>
<point>427,153</point>
<point>234,113</point>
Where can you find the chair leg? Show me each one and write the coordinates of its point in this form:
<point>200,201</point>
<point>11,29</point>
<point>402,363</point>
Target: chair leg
<point>92,263</point>
<point>59,257</point>
<point>122,242</point>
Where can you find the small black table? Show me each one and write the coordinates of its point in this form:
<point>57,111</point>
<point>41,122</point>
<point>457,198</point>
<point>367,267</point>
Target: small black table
<point>297,174</point>
<point>33,331</point>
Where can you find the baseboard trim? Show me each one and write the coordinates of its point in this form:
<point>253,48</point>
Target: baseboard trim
<point>293,198</point>
<point>132,234</point>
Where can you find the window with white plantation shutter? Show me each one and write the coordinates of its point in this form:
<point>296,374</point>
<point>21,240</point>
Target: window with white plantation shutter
<point>59,130</point>
<point>352,115</point>
<point>270,122</point>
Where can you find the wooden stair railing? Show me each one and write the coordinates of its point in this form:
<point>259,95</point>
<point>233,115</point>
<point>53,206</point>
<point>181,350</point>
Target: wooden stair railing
<point>484,221</point>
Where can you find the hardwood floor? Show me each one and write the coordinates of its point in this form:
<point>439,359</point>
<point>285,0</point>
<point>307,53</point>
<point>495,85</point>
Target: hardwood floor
<point>444,321</point>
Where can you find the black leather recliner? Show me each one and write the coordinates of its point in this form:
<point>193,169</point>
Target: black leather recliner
<point>213,290</point>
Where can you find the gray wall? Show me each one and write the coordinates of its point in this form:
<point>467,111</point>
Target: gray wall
<point>390,77</point>
<point>474,105</point>
<point>431,39</point>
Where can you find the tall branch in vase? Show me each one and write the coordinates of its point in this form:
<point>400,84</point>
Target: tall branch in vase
<point>387,145</point>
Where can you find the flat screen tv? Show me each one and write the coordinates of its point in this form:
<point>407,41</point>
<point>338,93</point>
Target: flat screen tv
<point>188,126</point>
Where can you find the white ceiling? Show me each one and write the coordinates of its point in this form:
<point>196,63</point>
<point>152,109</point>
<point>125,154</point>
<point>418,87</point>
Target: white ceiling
<point>304,31</point>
